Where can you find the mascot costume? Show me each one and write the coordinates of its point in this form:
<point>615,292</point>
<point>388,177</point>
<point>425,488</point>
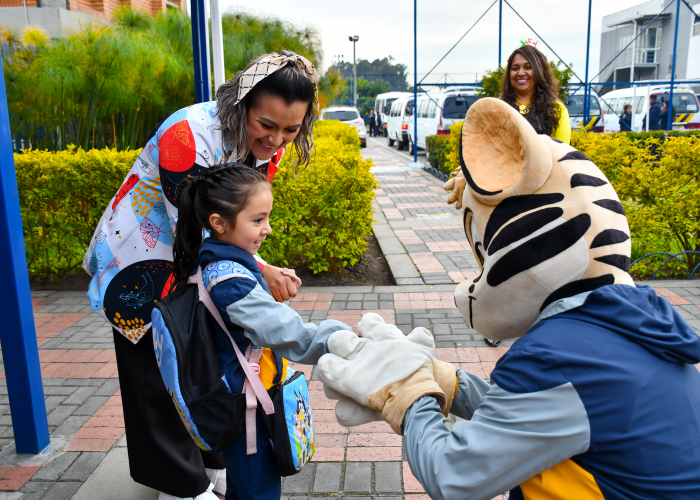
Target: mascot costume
<point>597,399</point>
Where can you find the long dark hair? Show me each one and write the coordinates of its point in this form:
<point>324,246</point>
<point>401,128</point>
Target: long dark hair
<point>288,83</point>
<point>544,108</point>
<point>223,190</point>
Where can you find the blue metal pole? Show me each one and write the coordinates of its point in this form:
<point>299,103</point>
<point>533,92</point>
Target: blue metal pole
<point>500,30</point>
<point>415,81</point>
<point>586,88</point>
<point>669,120</point>
<point>18,336</point>
<point>200,52</point>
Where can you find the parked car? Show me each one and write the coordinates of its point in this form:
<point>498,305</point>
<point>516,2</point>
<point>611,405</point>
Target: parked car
<point>397,121</point>
<point>438,111</point>
<point>347,115</point>
<point>574,105</point>
<point>685,103</point>
<point>382,105</point>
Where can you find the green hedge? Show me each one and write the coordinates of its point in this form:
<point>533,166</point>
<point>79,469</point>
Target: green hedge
<point>323,214</point>
<point>321,218</point>
<point>437,147</point>
<point>62,196</point>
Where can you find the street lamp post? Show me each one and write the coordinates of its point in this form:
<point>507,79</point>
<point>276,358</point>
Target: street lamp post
<point>354,40</point>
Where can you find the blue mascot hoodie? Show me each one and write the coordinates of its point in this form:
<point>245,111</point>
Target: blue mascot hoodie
<point>601,401</point>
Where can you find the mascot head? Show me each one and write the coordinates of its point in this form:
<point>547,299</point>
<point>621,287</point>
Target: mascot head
<point>541,218</point>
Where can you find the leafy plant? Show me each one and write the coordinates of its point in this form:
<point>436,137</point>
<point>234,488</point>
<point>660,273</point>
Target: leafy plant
<point>438,147</point>
<point>100,85</point>
<point>323,213</point>
<point>62,197</point>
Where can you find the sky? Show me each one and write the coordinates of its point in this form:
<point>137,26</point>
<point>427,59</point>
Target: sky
<point>385,29</point>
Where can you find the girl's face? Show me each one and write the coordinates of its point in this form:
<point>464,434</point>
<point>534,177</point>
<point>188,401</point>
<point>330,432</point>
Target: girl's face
<point>272,124</point>
<point>252,224</point>
<point>521,77</point>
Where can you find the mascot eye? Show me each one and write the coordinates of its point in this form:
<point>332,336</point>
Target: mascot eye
<point>477,246</point>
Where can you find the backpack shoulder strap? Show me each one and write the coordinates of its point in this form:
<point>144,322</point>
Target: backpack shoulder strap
<point>222,270</point>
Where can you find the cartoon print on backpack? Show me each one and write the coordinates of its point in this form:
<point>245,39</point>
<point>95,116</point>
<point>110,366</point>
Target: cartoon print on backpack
<point>303,430</point>
<point>131,295</point>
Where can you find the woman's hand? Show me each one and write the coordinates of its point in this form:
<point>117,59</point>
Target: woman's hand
<point>283,283</point>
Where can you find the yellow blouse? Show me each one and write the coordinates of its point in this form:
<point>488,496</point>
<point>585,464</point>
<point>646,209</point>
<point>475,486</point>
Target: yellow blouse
<point>563,132</point>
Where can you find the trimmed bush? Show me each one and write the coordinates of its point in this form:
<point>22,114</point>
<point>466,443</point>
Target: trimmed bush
<point>438,146</point>
<point>62,197</point>
<point>322,215</point>
<point>321,218</point>
<point>338,131</point>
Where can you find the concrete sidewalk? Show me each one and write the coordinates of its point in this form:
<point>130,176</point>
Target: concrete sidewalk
<point>426,248</point>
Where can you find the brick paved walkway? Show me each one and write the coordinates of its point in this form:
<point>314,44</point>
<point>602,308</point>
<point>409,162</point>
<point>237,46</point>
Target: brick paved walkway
<point>82,390</point>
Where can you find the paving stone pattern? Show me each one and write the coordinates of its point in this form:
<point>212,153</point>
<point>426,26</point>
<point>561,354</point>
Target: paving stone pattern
<point>81,387</point>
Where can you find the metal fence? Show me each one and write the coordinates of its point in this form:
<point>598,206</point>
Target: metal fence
<point>649,48</point>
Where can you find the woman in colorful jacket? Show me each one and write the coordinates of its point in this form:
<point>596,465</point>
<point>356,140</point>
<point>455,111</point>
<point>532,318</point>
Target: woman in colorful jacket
<point>264,108</point>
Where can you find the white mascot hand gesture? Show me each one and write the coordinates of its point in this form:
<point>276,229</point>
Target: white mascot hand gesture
<point>384,371</point>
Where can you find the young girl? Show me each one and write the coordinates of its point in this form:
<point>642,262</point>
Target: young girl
<point>233,203</point>
<point>267,107</point>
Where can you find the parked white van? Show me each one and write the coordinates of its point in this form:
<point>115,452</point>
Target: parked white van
<point>685,103</point>
<point>574,106</point>
<point>397,121</point>
<point>382,104</point>
<point>438,111</point>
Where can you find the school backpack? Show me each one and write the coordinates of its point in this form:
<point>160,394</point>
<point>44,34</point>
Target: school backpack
<point>189,364</point>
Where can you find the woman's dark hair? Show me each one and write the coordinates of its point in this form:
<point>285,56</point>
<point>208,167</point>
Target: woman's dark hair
<point>222,190</point>
<point>290,84</point>
<point>544,108</point>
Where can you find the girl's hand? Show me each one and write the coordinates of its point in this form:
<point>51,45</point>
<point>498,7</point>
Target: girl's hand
<point>293,275</point>
<point>282,287</point>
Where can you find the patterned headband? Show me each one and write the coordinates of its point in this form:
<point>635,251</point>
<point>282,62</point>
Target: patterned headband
<point>271,63</point>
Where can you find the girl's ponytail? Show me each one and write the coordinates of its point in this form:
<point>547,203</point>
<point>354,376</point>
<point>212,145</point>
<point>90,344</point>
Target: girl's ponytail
<point>222,190</point>
<point>188,232</point>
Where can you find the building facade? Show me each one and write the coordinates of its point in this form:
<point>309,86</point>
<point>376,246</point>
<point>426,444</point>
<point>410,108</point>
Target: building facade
<point>57,16</point>
<point>650,57</point>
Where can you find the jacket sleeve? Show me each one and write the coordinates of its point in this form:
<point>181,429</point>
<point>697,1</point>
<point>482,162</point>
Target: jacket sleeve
<point>511,437</point>
<point>268,323</point>
<point>470,394</point>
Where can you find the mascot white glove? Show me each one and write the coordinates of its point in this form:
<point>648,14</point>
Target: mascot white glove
<point>382,370</point>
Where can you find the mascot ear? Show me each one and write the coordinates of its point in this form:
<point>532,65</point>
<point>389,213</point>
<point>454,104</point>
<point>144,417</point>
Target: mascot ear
<point>500,152</point>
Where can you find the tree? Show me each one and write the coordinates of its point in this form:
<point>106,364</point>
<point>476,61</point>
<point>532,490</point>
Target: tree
<point>377,70</point>
<point>366,93</point>
<point>247,37</point>
<point>102,85</point>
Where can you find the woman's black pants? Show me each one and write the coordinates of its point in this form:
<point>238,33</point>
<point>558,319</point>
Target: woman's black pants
<point>162,455</point>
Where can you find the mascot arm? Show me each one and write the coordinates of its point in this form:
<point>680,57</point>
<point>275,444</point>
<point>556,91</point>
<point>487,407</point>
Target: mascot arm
<point>509,439</point>
<point>471,392</point>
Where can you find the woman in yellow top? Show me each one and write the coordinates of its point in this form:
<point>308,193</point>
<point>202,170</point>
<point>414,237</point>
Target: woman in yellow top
<point>530,87</point>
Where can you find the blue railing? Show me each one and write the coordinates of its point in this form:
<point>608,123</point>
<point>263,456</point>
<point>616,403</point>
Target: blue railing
<point>670,256</point>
